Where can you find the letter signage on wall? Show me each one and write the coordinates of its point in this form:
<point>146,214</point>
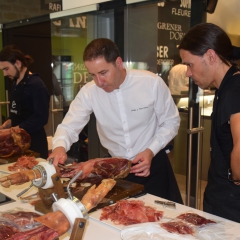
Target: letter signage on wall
<point>51,5</point>
<point>173,23</point>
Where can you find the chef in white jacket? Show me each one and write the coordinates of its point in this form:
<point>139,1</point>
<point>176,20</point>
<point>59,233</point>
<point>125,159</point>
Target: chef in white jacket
<point>135,114</point>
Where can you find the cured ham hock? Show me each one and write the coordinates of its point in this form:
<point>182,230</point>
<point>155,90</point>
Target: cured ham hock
<point>99,168</point>
<point>13,141</point>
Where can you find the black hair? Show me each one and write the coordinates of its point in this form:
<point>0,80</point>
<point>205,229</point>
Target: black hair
<point>206,36</point>
<point>11,54</point>
<point>101,47</point>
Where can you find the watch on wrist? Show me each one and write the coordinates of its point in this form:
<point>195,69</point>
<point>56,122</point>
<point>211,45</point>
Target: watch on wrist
<point>230,177</point>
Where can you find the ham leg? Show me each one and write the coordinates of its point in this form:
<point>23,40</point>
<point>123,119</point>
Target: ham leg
<point>19,178</point>
<point>99,167</point>
<point>13,141</point>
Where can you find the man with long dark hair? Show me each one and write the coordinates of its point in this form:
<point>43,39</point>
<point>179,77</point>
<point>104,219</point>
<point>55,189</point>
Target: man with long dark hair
<point>210,58</point>
<point>29,99</point>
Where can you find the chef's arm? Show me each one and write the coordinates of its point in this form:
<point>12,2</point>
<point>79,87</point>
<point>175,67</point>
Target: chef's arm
<point>6,124</point>
<point>68,131</point>
<point>168,118</point>
<point>235,155</point>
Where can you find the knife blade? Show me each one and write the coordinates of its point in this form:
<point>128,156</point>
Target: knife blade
<point>166,204</point>
<point>137,195</point>
<point>105,202</point>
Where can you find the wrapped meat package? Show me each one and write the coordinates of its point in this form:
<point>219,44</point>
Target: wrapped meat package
<point>188,225</point>
<point>19,224</point>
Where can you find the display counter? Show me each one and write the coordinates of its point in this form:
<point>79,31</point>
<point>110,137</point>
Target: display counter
<point>102,230</point>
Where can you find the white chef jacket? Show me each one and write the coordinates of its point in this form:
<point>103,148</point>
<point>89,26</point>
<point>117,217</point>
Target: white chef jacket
<point>140,114</point>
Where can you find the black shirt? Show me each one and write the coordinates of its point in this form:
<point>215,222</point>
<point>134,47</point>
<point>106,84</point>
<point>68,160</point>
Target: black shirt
<point>29,109</point>
<point>33,99</point>
<point>222,197</point>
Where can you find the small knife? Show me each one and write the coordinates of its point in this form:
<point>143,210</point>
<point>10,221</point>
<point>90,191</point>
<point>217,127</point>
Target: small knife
<point>137,195</point>
<point>166,204</point>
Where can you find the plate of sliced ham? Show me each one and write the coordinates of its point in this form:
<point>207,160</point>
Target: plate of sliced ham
<point>127,212</point>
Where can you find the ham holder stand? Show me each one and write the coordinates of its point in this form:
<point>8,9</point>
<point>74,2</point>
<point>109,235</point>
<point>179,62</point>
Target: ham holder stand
<point>50,188</point>
<point>54,198</point>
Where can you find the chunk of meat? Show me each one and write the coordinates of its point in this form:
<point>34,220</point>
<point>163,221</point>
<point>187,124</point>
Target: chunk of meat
<point>13,227</point>
<point>7,229</point>
<point>95,195</point>
<point>13,141</point>
<point>104,167</point>
<point>177,227</point>
<point>23,163</point>
<point>195,219</point>
<point>94,169</point>
<point>127,212</point>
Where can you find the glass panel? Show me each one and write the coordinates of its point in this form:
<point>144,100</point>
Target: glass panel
<point>152,34</point>
<point>70,35</point>
<point>206,103</point>
<point>3,107</point>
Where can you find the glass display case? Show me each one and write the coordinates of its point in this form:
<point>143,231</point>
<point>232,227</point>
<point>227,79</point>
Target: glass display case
<point>180,146</point>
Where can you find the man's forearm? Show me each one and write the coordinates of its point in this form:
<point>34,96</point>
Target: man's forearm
<point>235,163</point>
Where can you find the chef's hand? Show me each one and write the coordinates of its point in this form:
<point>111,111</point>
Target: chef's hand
<point>142,163</point>
<point>59,156</point>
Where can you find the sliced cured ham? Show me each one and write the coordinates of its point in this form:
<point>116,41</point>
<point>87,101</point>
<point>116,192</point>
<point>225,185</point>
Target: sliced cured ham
<point>194,219</point>
<point>177,227</point>
<point>127,212</point>
<point>21,218</point>
<point>38,233</point>
<point>23,163</point>
<point>7,229</point>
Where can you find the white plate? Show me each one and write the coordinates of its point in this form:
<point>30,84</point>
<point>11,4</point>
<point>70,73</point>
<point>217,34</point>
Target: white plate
<point>4,167</point>
<point>167,213</point>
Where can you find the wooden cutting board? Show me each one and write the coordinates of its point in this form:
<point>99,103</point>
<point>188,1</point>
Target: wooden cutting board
<point>122,189</point>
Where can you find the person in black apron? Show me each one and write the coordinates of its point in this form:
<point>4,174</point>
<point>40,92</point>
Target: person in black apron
<point>208,52</point>
<point>29,99</point>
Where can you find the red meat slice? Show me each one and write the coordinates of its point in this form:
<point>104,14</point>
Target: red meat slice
<point>39,233</point>
<point>21,218</point>
<point>177,227</point>
<point>23,163</point>
<point>7,231</point>
<point>194,219</point>
<point>127,212</point>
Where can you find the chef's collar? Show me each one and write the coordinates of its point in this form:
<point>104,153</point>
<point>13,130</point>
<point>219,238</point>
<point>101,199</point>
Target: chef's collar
<point>124,83</point>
